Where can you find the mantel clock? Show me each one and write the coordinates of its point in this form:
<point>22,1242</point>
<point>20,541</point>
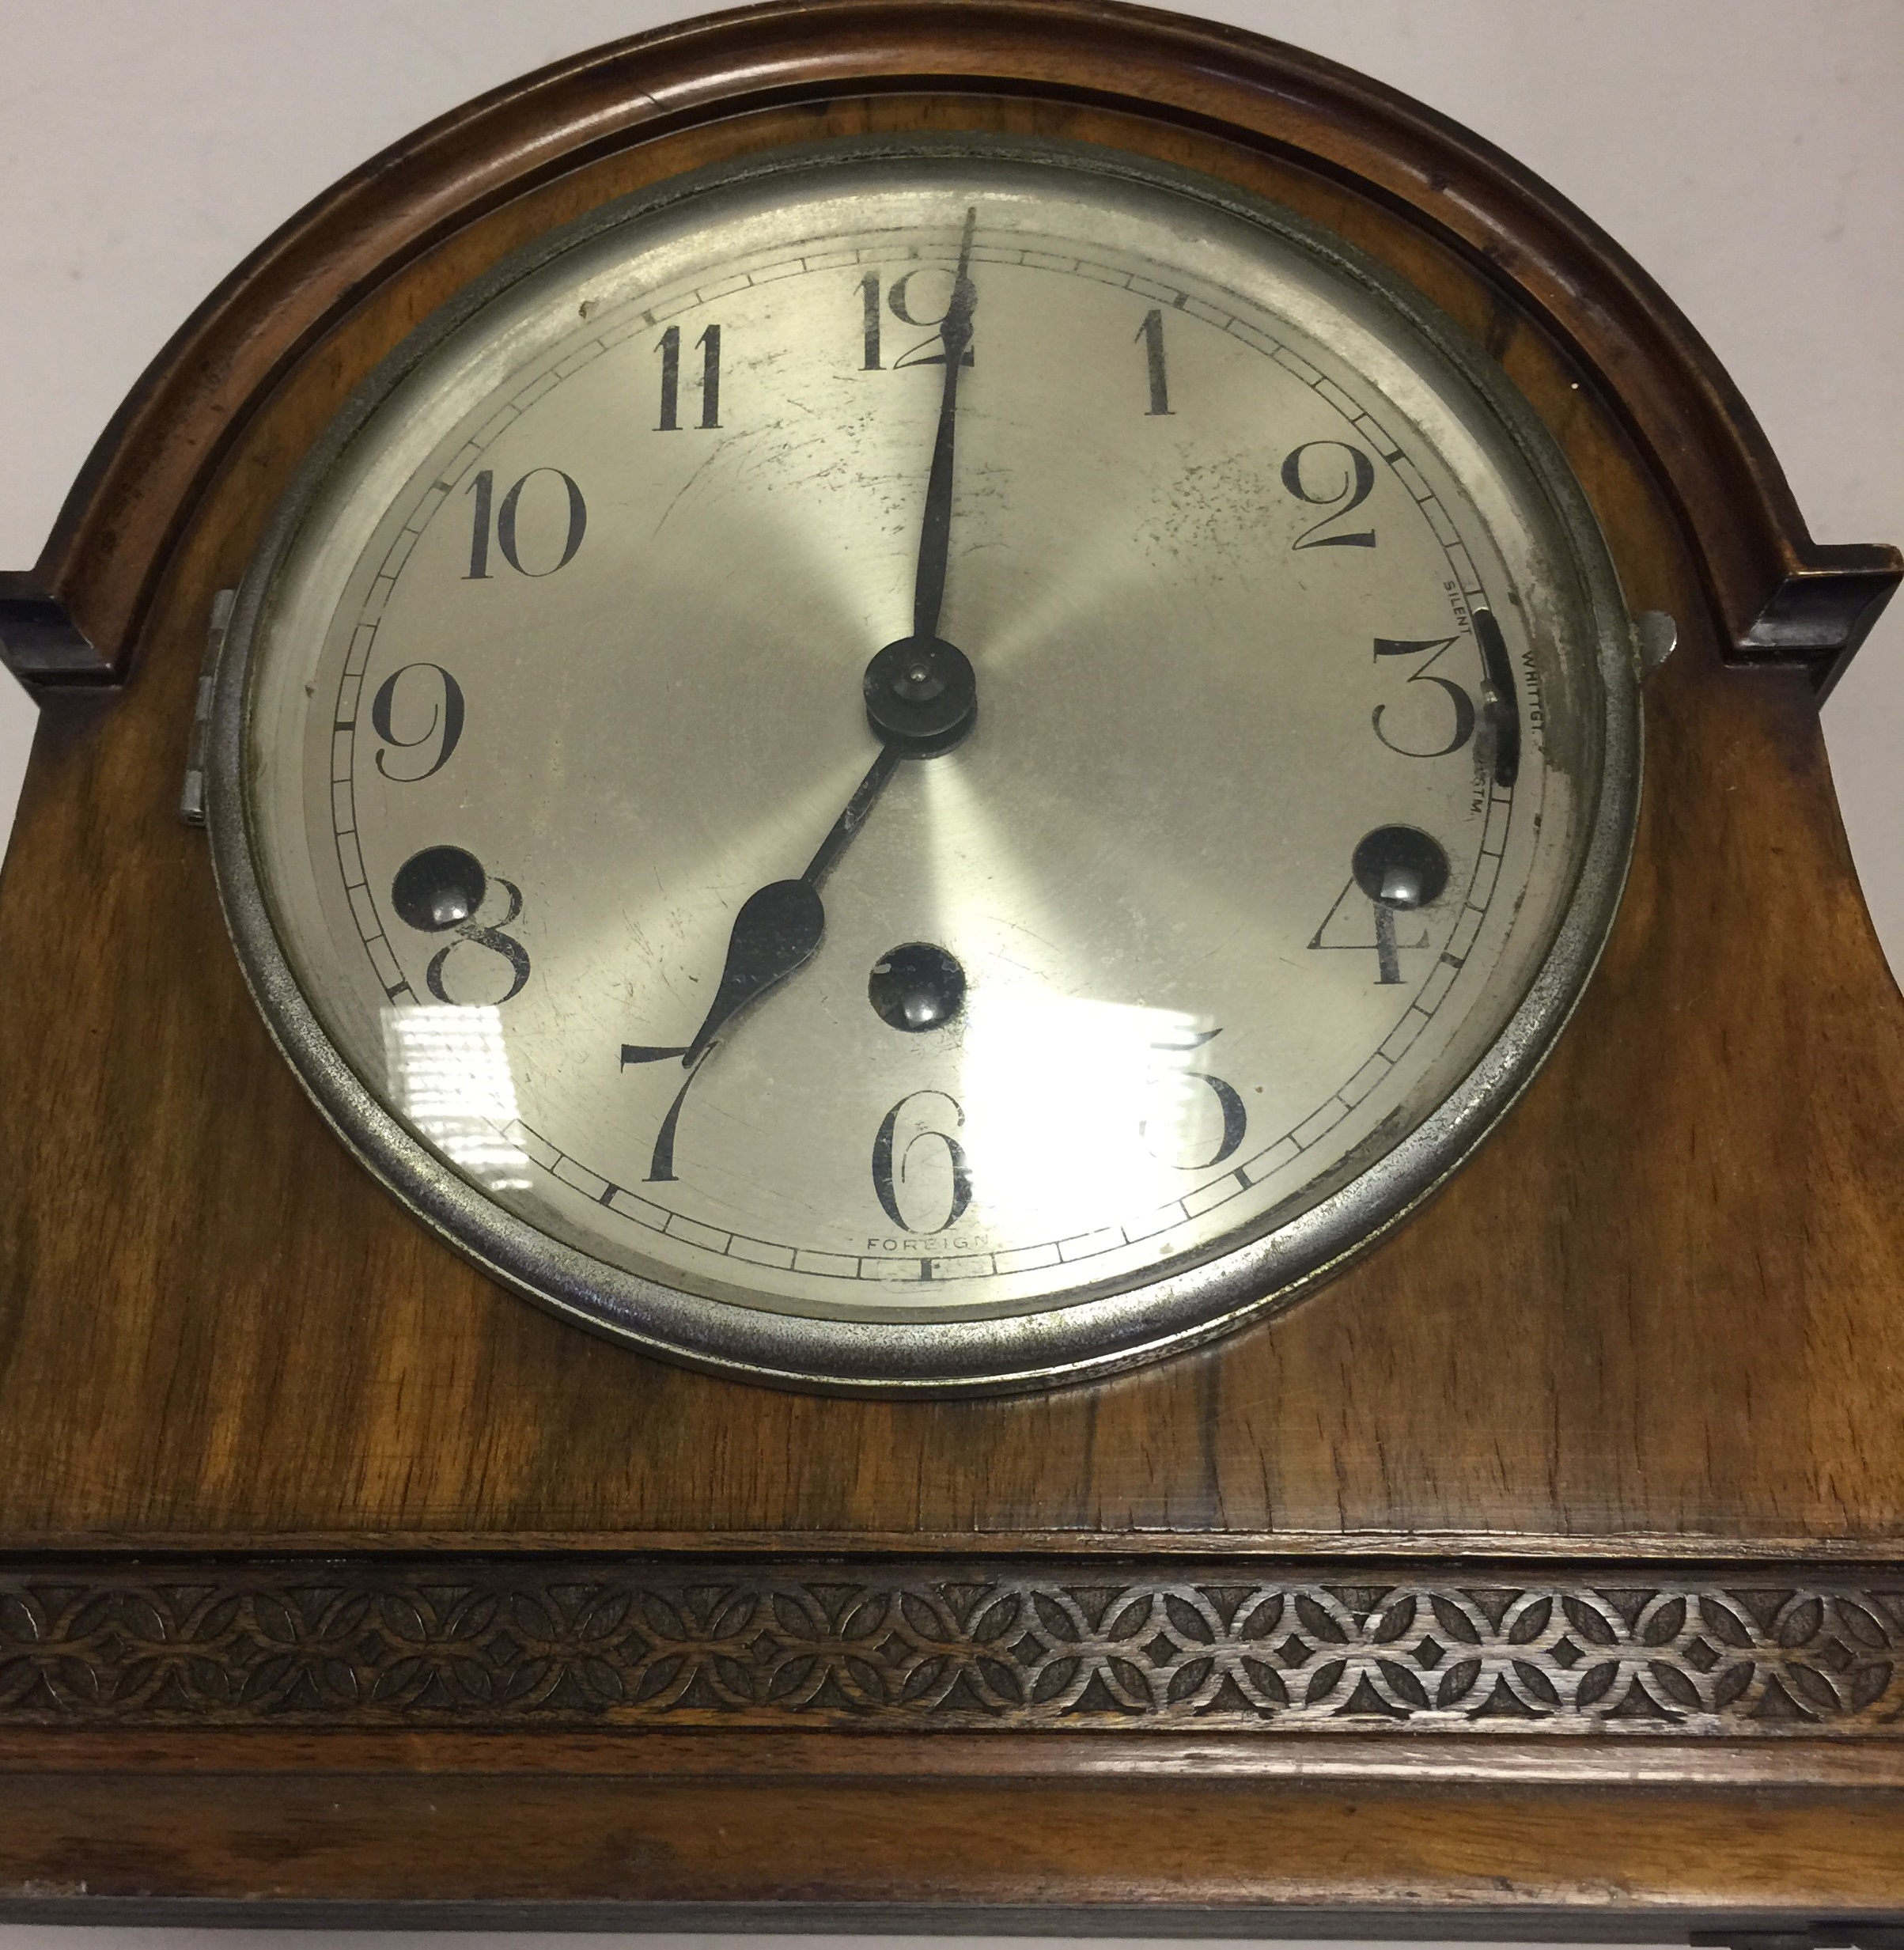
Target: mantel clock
<point>963,1015</point>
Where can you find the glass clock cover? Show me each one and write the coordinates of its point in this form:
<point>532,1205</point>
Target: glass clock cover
<point>922,765</point>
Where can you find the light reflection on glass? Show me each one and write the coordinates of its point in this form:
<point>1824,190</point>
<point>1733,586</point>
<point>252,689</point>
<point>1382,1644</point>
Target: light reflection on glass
<point>1077,1113</point>
<point>449,1076</point>
<point>1069,1114</point>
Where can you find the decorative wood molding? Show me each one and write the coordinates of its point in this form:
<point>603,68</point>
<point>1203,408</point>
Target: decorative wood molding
<point>567,1643</point>
<point>1780,596</point>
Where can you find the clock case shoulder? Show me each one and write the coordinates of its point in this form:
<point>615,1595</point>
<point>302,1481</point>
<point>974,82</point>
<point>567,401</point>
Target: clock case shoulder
<point>1777,596</point>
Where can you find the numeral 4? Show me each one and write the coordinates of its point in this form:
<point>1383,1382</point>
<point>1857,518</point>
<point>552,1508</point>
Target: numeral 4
<point>1397,869</point>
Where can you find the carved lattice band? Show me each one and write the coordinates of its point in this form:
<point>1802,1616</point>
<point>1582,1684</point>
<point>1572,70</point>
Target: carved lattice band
<point>580,1643</point>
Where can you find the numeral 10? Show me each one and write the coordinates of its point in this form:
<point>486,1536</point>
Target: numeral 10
<point>482,489</point>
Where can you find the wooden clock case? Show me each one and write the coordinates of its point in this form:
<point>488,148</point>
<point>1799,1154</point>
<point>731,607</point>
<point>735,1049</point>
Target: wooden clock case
<point>1542,1574</point>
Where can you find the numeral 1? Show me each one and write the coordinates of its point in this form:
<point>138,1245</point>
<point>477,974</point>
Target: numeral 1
<point>1151,331</point>
<point>710,345</point>
<point>869,299</point>
<point>483,487</point>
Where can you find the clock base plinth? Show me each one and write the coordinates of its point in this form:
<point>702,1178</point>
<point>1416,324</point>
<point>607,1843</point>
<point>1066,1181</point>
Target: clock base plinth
<point>732,1833</point>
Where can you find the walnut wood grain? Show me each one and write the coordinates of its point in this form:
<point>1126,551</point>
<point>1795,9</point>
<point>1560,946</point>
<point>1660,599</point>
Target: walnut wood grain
<point>1647,1341</point>
<point>1779,596</point>
<point>622,1848</point>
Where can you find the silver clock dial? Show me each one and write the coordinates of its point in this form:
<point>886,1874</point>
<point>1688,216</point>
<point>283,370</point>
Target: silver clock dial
<point>925,770</point>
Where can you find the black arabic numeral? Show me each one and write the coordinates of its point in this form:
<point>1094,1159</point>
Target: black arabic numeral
<point>493,939</point>
<point>671,381</point>
<point>1151,331</point>
<point>443,888</point>
<point>1464,705</point>
<point>929,351</point>
<point>505,524</point>
<point>445,725</point>
<point>709,344</point>
<point>660,1165</point>
<point>1397,869</point>
<point>1236,1118</point>
<point>483,487</point>
<point>1357,484</point>
<point>886,1144</point>
<point>869,311</point>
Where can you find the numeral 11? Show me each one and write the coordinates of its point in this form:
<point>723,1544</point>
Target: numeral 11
<point>710,344</point>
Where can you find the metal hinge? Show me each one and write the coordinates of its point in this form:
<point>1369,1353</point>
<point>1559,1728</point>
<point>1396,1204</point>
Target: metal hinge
<point>191,797</point>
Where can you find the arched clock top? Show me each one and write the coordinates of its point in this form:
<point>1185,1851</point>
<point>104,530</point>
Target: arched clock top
<point>1777,596</point>
<point>845,871</point>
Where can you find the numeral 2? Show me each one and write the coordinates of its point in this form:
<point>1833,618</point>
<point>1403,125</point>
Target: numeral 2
<point>1357,479</point>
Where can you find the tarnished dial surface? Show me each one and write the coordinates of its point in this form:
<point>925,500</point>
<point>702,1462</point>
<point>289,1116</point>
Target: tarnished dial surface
<point>936,768</point>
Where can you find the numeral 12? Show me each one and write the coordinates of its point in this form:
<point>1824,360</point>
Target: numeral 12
<point>899,303</point>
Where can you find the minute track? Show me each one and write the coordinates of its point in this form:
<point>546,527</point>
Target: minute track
<point>1238,1176</point>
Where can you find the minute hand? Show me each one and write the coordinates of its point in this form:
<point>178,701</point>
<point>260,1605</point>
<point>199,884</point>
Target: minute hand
<point>935,531</point>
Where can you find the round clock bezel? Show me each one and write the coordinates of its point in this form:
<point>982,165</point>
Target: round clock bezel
<point>1083,1339</point>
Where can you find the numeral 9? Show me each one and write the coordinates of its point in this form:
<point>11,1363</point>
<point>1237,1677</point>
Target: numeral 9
<point>445,725</point>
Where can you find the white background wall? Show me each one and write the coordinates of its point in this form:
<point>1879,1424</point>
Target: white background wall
<point>1750,152</point>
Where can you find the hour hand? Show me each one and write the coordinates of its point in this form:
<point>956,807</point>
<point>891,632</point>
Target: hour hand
<point>778,927</point>
<point>776,930</point>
